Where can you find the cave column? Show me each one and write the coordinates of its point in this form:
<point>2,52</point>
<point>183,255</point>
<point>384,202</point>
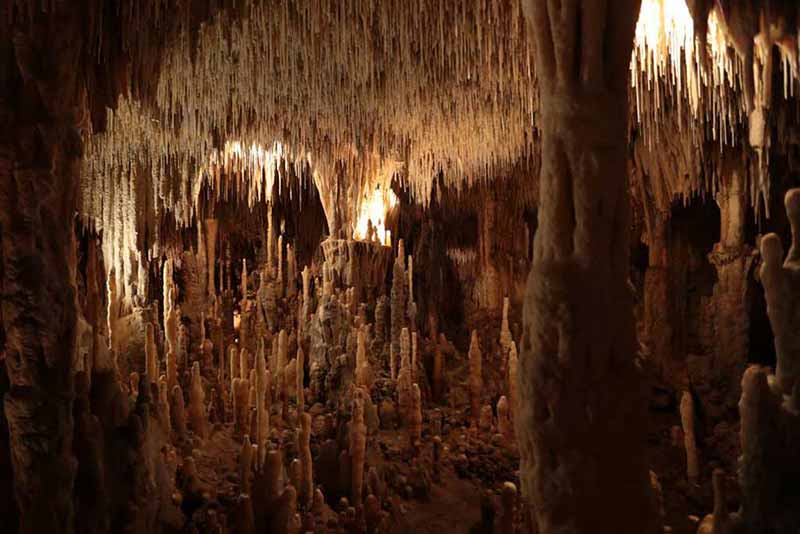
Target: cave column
<point>581,413</point>
<point>492,297</point>
<point>733,260</point>
<point>660,317</point>
<point>41,107</point>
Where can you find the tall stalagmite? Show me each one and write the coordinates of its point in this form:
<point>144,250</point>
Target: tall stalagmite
<point>580,416</point>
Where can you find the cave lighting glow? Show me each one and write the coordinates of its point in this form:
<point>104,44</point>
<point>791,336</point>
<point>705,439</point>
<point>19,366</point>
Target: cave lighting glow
<point>374,208</point>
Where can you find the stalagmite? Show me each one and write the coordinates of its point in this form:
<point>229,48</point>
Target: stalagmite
<point>415,418</point>
<point>211,226</point>
<point>504,425</point>
<point>151,351</point>
<point>246,464</point>
<point>300,377</point>
<point>411,306</point>
<point>295,471</point>
<point>244,283</point>
<point>513,369</point>
<point>244,364</point>
<point>291,272</point>
<point>133,381</point>
<point>405,384</point>
<point>358,448</point>
<point>781,285</point>
<point>414,355</point>
<point>363,369</point>
<point>164,403</point>
<point>279,270</point>
<point>233,358</point>
<point>579,385</point>
<point>505,333</point>
<point>508,497</point>
<point>732,259</point>
<point>380,319</point>
<point>197,408</point>
<point>171,323</point>
<point>306,274</point>
<point>263,390</point>
<point>178,411</point>
<point>398,308</point>
<point>306,487</point>
<point>280,373</point>
<point>475,378</point>
<point>690,443</point>
<point>486,418</point>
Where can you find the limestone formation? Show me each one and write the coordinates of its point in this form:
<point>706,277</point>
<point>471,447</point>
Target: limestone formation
<point>363,369</point>
<point>513,380</point>
<point>505,332</point>
<point>398,308</point>
<point>475,377</point>
<point>246,464</point>
<point>198,420</point>
<point>178,412</point>
<point>508,497</point>
<point>415,417</point>
<point>300,380</point>
<point>690,443</point>
<point>262,404</point>
<point>306,486</point>
<point>151,351</point>
<point>358,448</point>
<point>405,384</point>
<point>504,424</point>
<point>578,310</point>
<point>781,284</point>
<point>579,157</point>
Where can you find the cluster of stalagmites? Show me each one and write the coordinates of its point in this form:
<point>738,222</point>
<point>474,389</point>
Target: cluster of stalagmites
<point>769,407</point>
<point>286,371</point>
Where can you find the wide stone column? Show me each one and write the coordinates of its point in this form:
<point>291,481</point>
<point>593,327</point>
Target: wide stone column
<point>733,260</point>
<point>40,150</point>
<point>581,413</point>
<point>660,315</point>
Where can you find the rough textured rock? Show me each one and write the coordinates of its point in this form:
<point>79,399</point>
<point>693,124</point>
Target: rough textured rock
<point>580,389</point>
<point>39,170</point>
